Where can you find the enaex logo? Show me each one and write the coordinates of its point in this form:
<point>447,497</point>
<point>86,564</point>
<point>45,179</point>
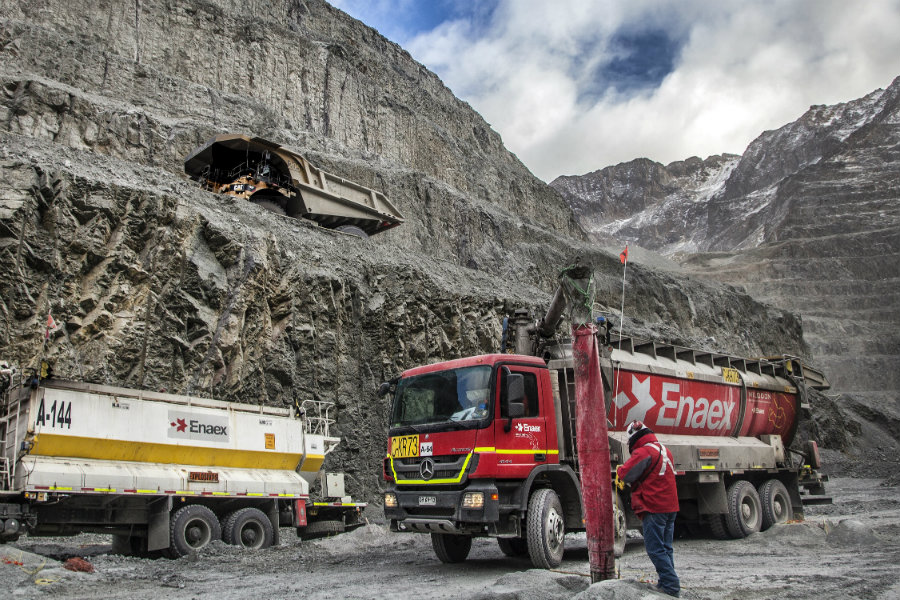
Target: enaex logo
<point>195,426</point>
<point>525,427</point>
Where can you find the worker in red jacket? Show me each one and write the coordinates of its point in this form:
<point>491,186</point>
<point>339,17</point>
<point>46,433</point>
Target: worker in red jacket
<point>651,473</point>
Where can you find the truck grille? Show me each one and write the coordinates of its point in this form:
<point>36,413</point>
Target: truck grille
<point>445,467</point>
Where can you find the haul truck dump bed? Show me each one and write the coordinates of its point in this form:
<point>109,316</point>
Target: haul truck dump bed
<point>158,471</point>
<point>286,183</point>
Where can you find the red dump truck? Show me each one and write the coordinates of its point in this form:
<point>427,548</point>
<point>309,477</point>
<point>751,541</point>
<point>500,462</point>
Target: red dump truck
<point>485,445</point>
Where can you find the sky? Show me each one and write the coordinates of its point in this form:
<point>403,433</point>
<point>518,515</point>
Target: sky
<point>573,86</point>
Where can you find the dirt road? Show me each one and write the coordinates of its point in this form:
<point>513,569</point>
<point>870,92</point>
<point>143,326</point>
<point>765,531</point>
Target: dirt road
<point>850,549</point>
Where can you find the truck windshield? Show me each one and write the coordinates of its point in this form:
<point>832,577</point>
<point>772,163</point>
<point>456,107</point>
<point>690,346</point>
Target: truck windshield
<point>453,396</point>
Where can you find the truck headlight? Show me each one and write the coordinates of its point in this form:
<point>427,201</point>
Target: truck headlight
<point>390,500</point>
<point>473,500</point>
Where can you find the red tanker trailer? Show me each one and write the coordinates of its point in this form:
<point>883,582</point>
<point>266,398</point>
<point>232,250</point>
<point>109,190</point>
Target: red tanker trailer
<point>485,446</point>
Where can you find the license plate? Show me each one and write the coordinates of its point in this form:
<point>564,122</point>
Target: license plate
<point>405,446</point>
<point>427,500</point>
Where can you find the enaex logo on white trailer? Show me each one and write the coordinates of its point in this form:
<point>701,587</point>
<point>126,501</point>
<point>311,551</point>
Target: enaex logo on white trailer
<point>198,427</point>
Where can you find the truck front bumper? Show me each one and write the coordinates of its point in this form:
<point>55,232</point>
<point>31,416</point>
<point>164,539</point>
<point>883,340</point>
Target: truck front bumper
<point>429,510</point>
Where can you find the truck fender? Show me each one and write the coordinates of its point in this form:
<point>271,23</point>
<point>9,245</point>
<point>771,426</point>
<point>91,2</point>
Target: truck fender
<point>564,482</point>
<point>158,523</point>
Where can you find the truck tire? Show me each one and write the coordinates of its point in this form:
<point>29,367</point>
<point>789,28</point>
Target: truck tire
<point>776,503</point>
<point>269,203</point>
<point>192,528</point>
<point>546,529</point>
<point>248,528</point>
<point>620,526</point>
<point>744,509</point>
<point>321,529</point>
<point>717,527</point>
<point>352,230</point>
<point>451,548</point>
<point>513,546</point>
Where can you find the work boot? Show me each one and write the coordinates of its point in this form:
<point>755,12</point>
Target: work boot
<point>655,587</point>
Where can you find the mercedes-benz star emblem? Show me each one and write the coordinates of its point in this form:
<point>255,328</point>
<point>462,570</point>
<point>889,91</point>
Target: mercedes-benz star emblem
<point>426,469</point>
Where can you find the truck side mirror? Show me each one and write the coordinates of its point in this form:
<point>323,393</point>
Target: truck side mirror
<point>515,398</point>
<point>383,389</point>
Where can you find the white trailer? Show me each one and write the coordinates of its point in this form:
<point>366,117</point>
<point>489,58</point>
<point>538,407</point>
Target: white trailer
<point>161,472</point>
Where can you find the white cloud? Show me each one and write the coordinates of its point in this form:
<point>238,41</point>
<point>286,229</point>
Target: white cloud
<point>745,67</point>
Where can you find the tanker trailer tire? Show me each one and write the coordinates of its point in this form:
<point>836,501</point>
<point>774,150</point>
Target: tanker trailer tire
<point>744,509</point>
<point>249,528</point>
<point>192,528</point>
<point>451,548</point>
<point>513,547</point>
<point>546,529</point>
<point>776,503</point>
<point>321,529</point>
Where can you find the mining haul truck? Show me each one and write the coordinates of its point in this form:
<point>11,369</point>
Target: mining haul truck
<point>286,183</point>
<point>485,445</point>
<point>163,473</point>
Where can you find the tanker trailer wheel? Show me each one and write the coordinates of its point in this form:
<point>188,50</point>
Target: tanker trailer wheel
<point>248,528</point>
<point>192,528</point>
<point>619,526</point>
<point>744,509</point>
<point>513,547</point>
<point>321,529</point>
<point>546,529</point>
<point>451,548</point>
<point>776,503</point>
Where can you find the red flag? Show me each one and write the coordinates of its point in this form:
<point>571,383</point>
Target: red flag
<point>51,326</point>
<point>623,257</point>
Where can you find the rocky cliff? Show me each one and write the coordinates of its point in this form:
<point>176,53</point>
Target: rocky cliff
<point>808,218</point>
<point>157,284</point>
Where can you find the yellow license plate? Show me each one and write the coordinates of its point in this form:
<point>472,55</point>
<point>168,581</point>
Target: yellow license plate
<point>405,446</point>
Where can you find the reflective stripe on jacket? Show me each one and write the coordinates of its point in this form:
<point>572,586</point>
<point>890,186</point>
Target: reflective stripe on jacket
<point>651,473</point>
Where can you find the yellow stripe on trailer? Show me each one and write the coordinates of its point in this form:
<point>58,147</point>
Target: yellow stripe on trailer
<point>51,444</point>
<point>312,463</point>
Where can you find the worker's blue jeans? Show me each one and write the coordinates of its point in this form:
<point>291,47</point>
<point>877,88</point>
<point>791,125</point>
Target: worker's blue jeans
<point>659,529</point>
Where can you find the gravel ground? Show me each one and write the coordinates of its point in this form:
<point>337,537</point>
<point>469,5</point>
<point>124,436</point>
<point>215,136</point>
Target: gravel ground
<point>849,549</point>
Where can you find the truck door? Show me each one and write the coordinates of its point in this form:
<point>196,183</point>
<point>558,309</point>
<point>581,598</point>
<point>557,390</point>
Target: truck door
<point>525,444</point>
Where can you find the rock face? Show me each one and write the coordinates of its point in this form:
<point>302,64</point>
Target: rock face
<point>157,284</point>
<point>808,218</point>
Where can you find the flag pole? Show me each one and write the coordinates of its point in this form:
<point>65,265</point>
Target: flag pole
<point>623,258</point>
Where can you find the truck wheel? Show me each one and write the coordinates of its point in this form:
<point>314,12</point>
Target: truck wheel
<point>451,548</point>
<point>546,529</point>
<point>248,528</point>
<point>192,528</point>
<point>717,527</point>
<point>776,503</point>
<point>619,526</point>
<point>513,546</point>
<point>352,230</point>
<point>321,529</point>
<point>744,509</point>
<point>269,204</point>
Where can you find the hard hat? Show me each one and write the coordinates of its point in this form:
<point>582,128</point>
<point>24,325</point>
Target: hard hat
<point>636,430</point>
<point>634,427</point>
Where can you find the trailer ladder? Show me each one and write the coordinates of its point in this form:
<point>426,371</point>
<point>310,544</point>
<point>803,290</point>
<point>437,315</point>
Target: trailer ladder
<point>10,419</point>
